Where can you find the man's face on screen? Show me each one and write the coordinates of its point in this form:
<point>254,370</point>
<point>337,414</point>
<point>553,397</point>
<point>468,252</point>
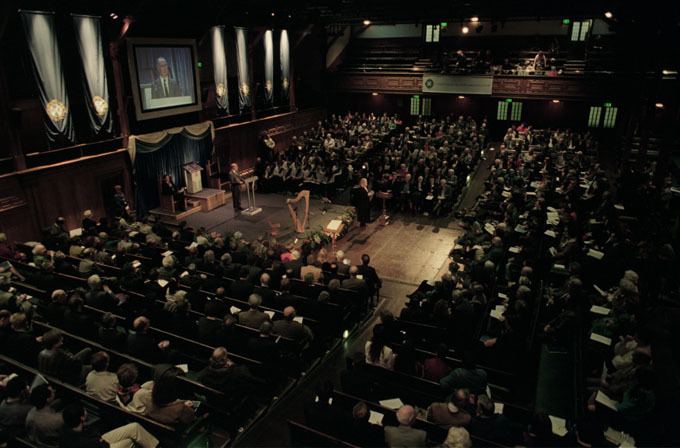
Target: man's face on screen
<point>162,67</point>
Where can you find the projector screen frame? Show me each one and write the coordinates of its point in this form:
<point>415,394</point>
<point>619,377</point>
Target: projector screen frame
<point>141,114</point>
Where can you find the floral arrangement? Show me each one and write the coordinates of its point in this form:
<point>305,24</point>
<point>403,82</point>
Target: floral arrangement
<point>348,217</point>
<point>314,239</point>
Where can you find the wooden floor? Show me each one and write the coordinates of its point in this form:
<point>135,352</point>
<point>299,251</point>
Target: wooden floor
<point>403,251</point>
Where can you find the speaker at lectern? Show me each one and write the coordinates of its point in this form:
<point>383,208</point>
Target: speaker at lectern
<point>192,177</point>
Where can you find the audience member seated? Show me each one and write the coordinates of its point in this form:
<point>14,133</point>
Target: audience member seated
<point>100,382</point>
<point>253,317</point>
<point>452,413</point>
<point>404,435</point>
<point>377,352</point>
<point>43,421</point>
<point>76,433</point>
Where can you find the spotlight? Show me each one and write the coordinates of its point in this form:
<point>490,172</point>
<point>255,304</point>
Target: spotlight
<point>461,97</point>
<point>290,16</point>
<point>556,101</point>
<point>366,22</point>
<point>114,16</point>
<point>375,94</point>
<point>659,105</point>
<point>474,19</point>
<point>273,13</point>
<point>465,30</point>
<point>667,72</point>
<point>608,14</point>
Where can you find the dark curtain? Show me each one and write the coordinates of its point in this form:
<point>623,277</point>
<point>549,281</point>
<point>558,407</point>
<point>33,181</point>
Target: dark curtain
<point>166,157</point>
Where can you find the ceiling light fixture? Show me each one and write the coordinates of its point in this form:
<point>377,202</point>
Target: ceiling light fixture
<point>608,14</point>
<point>555,101</point>
<point>366,22</point>
<point>465,30</point>
<point>474,19</point>
<point>659,105</point>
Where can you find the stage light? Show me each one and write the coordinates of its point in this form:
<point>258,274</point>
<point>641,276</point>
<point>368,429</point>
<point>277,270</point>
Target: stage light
<point>608,14</point>
<point>474,19</point>
<point>667,72</point>
<point>345,334</point>
<point>556,101</point>
<point>273,13</point>
<point>375,93</point>
<point>461,97</point>
<point>465,30</point>
<point>659,105</point>
<point>366,22</point>
<point>114,16</point>
<point>290,16</point>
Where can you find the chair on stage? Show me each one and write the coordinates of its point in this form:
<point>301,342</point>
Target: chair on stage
<point>212,170</point>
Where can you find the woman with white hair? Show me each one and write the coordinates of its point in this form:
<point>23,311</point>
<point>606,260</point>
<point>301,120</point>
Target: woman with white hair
<point>457,438</point>
<point>167,271</point>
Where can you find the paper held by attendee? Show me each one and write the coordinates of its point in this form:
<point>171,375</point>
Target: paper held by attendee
<point>298,319</point>
<point>375,418</point>
<point>234,310</point>
<point>601,339</point>
<point>600,290</point>
<point>596,254</point>
<point>392,403</point>
<point>498,408</point>
<point>619,438</point>
<point>558,425</point>
<point>596,309</point>
<point>183,367</point>
<point>604,400</point>
<point>269,313</point>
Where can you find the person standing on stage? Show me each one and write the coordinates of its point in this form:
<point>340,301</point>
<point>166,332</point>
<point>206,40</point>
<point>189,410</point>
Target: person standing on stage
<point>236,181</point>
<point>362,201</point>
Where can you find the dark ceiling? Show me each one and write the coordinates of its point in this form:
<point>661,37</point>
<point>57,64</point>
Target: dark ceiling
<point>192,17</point>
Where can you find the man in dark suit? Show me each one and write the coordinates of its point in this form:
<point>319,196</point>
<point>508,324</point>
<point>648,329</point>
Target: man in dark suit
<point>289,328</point>
<point>240,289</point>
<point>370,275</point>
<point>265,291</point>
<point>361,432</point>
<point>235,381</point>
<point>353,283</point>
<point>493,427</point>
<point>263,346</point>
<point>254,317</point>
<point>164,86</point>
<point>236,181</point>
<point>141,345</point>
<point>362,201</point>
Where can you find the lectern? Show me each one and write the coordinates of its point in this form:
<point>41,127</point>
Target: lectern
<point>192,177</point>
<point>250,191</point>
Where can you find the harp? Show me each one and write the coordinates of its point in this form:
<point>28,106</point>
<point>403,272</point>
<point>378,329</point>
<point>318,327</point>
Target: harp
<point>292,208</point>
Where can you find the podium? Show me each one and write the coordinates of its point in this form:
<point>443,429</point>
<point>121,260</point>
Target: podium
<point>192,177</point>
<point>252,209</point>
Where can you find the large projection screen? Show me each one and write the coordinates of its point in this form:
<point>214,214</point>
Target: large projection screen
<point>164,77</point>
